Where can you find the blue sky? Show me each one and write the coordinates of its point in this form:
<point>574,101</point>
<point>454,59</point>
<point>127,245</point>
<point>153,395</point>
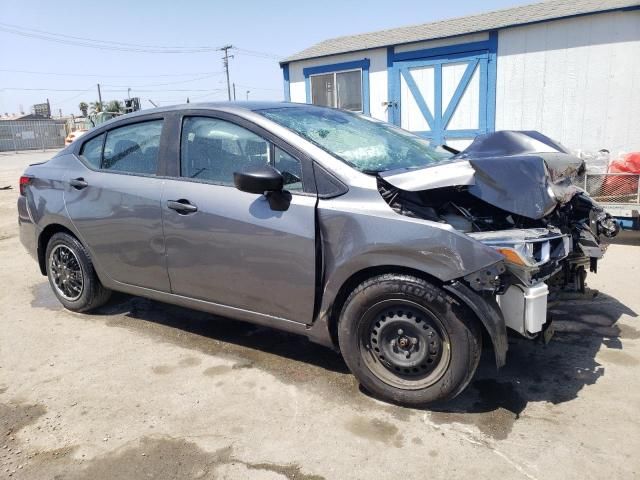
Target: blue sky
<point>277,28</point>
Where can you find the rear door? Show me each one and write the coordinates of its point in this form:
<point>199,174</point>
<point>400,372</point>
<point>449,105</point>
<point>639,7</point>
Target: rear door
<point>229,247</point>
<point>113,201</point>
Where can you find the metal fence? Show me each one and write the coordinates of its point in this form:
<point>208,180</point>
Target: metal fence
<point>612,187</point>
<point>31,134</point>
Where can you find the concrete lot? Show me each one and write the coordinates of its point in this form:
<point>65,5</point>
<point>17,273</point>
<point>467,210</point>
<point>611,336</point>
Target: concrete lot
<point>146,390</point>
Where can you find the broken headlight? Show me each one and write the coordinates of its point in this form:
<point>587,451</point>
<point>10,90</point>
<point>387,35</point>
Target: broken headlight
<point>529,253</point>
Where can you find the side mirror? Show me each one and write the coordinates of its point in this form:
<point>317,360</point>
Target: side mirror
<point>259,180</point>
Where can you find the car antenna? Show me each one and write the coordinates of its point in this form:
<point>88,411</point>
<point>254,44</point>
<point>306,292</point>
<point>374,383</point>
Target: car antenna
<point>151,102</point>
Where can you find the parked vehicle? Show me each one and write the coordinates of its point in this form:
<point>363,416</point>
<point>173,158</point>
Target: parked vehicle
<point>73,136</point>
<point>320,222</point>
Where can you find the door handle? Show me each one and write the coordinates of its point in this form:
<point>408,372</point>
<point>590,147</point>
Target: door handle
<point>78,183</point>
<point>182,206</point>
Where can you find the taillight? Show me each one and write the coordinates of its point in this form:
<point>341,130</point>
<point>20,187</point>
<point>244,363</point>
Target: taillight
<point>24,181</point>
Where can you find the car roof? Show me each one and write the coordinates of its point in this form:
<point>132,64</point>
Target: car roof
<point>251,106</point>
<point>238,107</point>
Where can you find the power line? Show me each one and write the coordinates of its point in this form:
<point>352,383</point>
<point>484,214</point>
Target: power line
<point>260,88</point>
<point>120,46</point>
<point>123,89</point>
<point>101,75</point>
<point>99,44</point>
<point>257,54</point>
<point>165,83</point>
<point>85,39</point>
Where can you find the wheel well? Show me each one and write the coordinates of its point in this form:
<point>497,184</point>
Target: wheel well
<point>43,240</point>
<point>357,278</point>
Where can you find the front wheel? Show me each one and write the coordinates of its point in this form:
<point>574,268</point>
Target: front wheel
<point>408,341</point>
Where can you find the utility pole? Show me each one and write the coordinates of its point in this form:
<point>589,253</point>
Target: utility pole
<point>99,95</point>
<point>225,62</point>
<point>234,92</point>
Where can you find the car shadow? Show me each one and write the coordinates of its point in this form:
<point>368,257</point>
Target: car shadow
<point>535,372</point>
<point>555,372</point>
<point>214,334</point>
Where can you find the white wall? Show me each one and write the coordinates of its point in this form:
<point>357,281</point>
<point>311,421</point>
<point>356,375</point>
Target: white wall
<point>377,77</point>
<point>575,80</point>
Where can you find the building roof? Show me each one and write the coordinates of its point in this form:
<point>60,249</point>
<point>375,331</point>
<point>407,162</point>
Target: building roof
<point>537,12</point>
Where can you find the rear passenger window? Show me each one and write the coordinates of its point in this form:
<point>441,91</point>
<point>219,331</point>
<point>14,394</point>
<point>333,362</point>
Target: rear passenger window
<point>92,151</point>
<point>133,148</point>
<point>213,149</point>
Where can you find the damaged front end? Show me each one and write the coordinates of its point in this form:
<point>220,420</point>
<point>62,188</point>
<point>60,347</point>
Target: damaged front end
<point>512,191</point>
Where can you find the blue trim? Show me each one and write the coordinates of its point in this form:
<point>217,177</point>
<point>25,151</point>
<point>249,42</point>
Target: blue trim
<point>285,75</point>
<point>492,81</point>
<point>338,67</point>
<point>469,133</point>
<point>442,51</point>
<point>438,105</point>
<point>392,106</point>
<point>366,96</point>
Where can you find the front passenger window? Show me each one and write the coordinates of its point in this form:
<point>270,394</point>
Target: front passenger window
<point>212,149</point>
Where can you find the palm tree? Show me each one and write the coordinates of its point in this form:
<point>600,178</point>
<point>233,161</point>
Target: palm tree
<point>114,106</point>
<point>96,107</point>
<point>84,108</point>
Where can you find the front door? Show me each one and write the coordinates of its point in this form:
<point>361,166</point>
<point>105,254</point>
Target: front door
<point>443,99</point>
<point>229,247</point>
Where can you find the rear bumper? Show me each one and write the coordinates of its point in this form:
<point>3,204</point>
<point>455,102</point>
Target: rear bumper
<point>27,228</point>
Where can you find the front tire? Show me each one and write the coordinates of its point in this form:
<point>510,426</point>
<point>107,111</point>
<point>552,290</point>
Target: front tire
<point>72,276</point>
<point>408,341</point>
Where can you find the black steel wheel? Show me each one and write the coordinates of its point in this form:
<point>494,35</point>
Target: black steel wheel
<point>404,344</point>
<point>408,341</point>
<point>72,276</point>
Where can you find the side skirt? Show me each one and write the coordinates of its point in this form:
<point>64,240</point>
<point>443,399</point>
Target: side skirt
<point>210,307</point>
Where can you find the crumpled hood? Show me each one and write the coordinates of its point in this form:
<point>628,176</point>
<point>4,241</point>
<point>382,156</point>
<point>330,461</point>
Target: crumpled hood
<point>525,173</point>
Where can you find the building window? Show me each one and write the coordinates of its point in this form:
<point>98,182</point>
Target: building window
<point>338,89</point>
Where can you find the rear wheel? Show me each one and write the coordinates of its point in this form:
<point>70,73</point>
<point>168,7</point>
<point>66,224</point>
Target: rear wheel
<point>72,276</point>
<point>408,341</point>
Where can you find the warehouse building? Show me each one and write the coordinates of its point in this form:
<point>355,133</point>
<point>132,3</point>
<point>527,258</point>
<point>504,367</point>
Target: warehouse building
<point>570,69</point>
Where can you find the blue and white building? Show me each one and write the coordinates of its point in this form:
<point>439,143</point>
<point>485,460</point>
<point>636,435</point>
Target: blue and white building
<point>570,69</point>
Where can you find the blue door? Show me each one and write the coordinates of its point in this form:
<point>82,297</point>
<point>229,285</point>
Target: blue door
<point>445,99</point>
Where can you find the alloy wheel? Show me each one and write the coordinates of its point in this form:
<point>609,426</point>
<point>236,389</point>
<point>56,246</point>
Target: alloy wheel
<point>66,273</point>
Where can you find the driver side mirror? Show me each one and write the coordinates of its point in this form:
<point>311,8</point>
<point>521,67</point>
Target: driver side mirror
<point>259,180</point>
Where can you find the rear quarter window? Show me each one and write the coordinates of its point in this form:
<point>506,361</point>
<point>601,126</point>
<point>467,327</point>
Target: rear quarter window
<point>92,151</point>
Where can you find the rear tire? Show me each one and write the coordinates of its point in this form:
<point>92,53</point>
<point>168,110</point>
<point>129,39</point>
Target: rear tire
<point>72,276</point>
<point>408,341</point>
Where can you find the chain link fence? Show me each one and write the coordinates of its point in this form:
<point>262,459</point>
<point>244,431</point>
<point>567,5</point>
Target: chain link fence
<point>611,187</point>
<point>18,135</point>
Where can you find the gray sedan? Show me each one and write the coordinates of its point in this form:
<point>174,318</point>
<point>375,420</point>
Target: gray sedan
<point>329,224</point>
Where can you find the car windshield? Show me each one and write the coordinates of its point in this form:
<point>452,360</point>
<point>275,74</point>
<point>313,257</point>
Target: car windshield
<point>365,144</point>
